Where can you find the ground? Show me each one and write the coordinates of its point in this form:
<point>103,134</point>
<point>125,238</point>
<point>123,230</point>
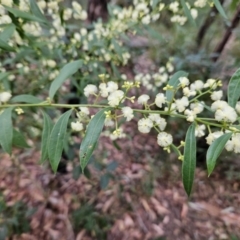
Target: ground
<point>144,199</point>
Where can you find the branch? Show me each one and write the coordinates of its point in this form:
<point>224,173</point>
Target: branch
<point>207,23</point>
<point>218,50</point>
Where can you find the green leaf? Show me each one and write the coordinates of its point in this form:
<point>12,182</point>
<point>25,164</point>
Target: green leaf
<point>26,98</point>
<point>174,81</point>
<point>234,89</point>
<point>6,130</point>
<point>7,32</point>
<point>189,162</point>
<point>19,140</point>
<point>219,8</point>
<point>36,11</point>
<point>104,180</point>
<point>154,3</point>
<point>3,75</point>
<point>5,36</point>
<point>215,150</point>
<point>24,15</point>
<point>187,12</point>
<point>91,137</point>
<point>5,46</point>
<point>67,71</point>
<point>112,166</point>
<point>56,140</point>
<point>47,128</point>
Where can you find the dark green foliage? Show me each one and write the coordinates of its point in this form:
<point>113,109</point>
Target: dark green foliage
<point>96,224</point>
<point>14,220</point>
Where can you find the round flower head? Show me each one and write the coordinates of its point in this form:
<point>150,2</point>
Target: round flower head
<point>191,115</point>
<point>219,105</point>
<point>184,81</point>
<point>84,110</point>
<point>115,98</point>
<point>112,86</point>
<point>5,96</point>
<point>229,145</point>
<point>200,130</point>
<point>238,107</point>
<point>143,99</point>
<point>90,89</point>
<point>76,126</point>
<point>188,93</point>
<point>164,139</point>
<point>154,117</point>
<point>234,144</point>
<point>197,107</point>
<point>197,85</point>
<point>211,83</point>
<point>103,89</point>
<point>145,125</point>
<point>127,113</point>
<point>181,104</point>
<point>213,136</point>
<point>228,114</point>
<point>160,99</point>
<point>158,121</point>
<point>216,95</point>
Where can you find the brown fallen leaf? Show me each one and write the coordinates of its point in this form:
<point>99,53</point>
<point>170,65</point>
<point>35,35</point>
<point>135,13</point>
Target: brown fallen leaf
<point>184,210</point>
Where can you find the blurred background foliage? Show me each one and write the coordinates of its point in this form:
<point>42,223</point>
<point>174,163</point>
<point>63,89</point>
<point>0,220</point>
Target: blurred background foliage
<point>27,70</point>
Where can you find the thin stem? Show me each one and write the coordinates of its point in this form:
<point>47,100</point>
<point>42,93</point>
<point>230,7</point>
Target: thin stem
<point>53,105</point>
<point>205,121</point>
<point>200,95</point>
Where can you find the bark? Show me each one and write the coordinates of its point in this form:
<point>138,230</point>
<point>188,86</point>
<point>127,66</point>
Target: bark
<point>207,23</point>
<point>218,50</point>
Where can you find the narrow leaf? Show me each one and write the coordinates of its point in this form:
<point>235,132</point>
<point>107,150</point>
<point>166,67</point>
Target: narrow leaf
<point>104,180</point>
<point>219,8</point>
<point>36,11</point>
<point>23,15</point>
<point>26,98</point>
<point>154,3</point>
<point>5,46</point>
<point>189,162</point>
<point>174,81</point>
<point>234,89</point>
<point>56,140</point>
<point>91,137</point>
<point>7,32</point>
<point>67,71</point>
<point>187,12</point>
<point>19,140</point>
<point>6,130</point>
<point>3,75</point>
<point>47,128</point>
<point>215,150</point>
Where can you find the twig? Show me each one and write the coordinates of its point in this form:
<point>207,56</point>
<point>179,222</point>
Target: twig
<point>218,50</point>
<point>207,23</point>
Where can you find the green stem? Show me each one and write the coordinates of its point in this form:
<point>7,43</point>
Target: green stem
<point>205,121</point>
<point>58,105</point>
<point>198,96</point>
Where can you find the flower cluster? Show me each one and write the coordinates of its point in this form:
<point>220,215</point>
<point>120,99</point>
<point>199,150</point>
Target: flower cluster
<point>68,38</point>
<point>157,79</point>
<point>178,13</point>
<point>184,103</point>
<point>82,118</point>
